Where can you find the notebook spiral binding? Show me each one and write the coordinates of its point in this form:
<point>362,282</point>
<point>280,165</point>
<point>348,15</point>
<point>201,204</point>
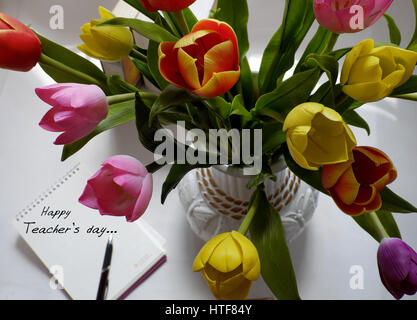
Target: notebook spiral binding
<point>44,195</point>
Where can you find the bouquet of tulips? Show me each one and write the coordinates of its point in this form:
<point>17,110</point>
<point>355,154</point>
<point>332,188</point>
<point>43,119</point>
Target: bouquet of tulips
<point>204,81</point>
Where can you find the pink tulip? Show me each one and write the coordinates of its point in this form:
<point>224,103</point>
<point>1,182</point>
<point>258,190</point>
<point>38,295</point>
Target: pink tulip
<point>122,187</point>
<point>77,110</point>
<point>338,16</point>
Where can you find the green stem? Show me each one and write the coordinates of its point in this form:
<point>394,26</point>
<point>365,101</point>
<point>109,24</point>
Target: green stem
<point>331,43</point>
<point>244,227</point>
<point>128,96</point>
<point>410,96</point>
<point>138,55</point>
<point>378,226</point>
<point>179,15</point>
<point>153,167</point>
<point>44,59</point>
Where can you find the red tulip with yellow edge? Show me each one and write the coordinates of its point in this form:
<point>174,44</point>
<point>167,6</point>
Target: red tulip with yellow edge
<point>204,62</point>
<point>20,48</point>
<point>355,185</point>
<point>166,5</point>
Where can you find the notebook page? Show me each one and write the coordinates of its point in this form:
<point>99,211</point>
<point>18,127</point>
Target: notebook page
<point>70,239</point>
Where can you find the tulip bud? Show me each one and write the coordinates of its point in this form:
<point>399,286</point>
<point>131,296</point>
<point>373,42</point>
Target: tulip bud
<point>317,135</point>
<point>166,5</point>
<point>229,263</point>
<point>355,185</point>
<point>122,187</point>
<point>397,264</point>
<point>77,110</point>
<point>106,43</point>
<point>349,16</point>
<point>204,62</point>
<point>20,48</point>
<point>371,74</point>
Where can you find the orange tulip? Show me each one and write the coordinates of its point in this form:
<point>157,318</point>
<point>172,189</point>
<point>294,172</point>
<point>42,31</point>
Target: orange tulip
<point>355,185</point>
<point>166,5</point>
<point>204,62</point>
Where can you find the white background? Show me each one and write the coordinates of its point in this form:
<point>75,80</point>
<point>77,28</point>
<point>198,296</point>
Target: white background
<point>322,255</point>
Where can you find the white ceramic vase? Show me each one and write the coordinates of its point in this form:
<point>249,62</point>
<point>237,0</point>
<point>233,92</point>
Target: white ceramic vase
<point>216,199</point>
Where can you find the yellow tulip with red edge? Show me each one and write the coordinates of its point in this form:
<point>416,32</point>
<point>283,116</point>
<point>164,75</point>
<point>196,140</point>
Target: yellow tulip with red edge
<point>204,62</point>
<point>370,74</point>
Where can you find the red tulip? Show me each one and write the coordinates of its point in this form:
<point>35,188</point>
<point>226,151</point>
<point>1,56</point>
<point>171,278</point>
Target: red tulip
<point>20,48</point>
<point>355,185</point>
<point>166,5</point>
<point>204,62</point>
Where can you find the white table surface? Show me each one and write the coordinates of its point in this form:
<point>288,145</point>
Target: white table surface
<point>323,255</point>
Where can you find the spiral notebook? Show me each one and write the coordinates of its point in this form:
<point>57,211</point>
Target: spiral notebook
<point>70,239</point>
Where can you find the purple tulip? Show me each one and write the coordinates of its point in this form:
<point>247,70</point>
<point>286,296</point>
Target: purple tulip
<point>397,263</point>
<point>76,111</point>
<point>338,15</point>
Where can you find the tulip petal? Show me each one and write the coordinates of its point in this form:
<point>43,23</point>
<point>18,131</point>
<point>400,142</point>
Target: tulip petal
<point>222,28</point>
<point>362,48</point>
<point>126,164</point>
<point>168,65</point>
<point>347,187</point>
<point>251,267</point>
<point>370,165</point>
<point>143,199</point>
<point>191,38</point>
<point>219,84</point>
<point>218,59</point>
<point>297,156</point>
<point>368,92</point>
<point>332,172</point>
<point>373,70</point>
<point>88,198</point>
<point>227,256</point>
<point>207,250</point>
<point>234,288</point>
<point>131,184</point>
<point>75,133</point>
<point>48,122</point>
<point>188,69</point>
<point>302,115</point>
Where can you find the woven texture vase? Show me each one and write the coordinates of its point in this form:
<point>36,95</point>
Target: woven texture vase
<point>216,201</point>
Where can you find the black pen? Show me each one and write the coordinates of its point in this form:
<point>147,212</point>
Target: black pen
<point>104,279</point>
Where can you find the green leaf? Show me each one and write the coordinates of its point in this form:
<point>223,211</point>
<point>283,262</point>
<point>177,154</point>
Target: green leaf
<point>272,137</point>
<point>339,54</point>
<point>394,203</point>
<point>238,108</point>
<point>72,60</point>
<point>288,94</point>
<point>413,43</point>
<point>220,107</point>
<point>190,18</point>
<point>236,14</point>
<point>409,87</point>
<point>267,234</point>
<point>149,30</point>
<point>175,175</point>
<point>354,119</point>
<point>313,178</point>
<point>279,55</point>
<point>394,32</point>
<point>153,63</point>
<point>118,114</point>
<point>144,70</point>
<point>146,130</point>
<point>246,83</point>
<point>316,45</point>
<point>118,86</point>
<point>387,220</point>
<point>169,97</point>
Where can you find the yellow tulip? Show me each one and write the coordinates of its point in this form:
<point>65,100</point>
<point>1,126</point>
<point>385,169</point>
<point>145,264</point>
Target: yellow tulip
<point>317,135</point>
<point>229,263</point>
<point>107,43</point>
<point>370,74</point>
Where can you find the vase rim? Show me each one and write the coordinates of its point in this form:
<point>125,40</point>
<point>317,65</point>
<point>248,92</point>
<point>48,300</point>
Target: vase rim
<point>238,171</point>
